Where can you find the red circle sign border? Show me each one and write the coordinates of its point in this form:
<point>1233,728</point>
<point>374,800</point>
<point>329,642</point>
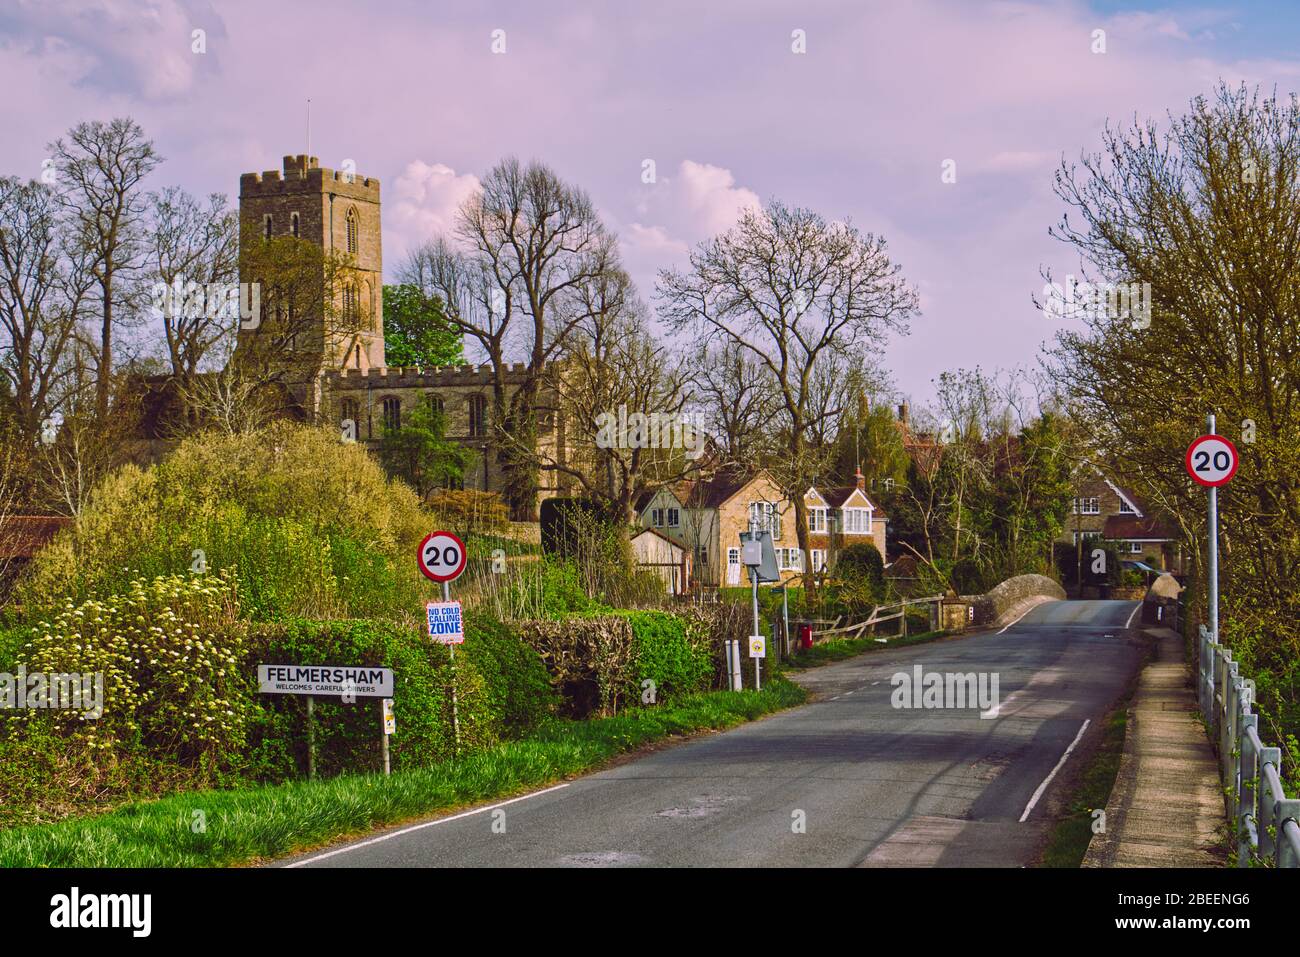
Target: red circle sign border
<point>1236,461</point>
<point>419,558</point>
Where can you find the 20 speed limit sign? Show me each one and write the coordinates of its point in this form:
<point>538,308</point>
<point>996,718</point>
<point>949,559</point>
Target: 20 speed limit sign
<point>441,556</point>
<point>1212,460</point>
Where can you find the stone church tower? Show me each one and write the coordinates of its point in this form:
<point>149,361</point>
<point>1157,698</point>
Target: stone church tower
<point>334,367</point>
<point>339,212</point>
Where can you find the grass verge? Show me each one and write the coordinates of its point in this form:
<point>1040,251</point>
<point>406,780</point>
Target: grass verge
<point>829,651</point>
<point>220,828</point>
<point>1073,832</point>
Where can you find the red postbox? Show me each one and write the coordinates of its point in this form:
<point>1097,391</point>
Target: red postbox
<point>805,636</point>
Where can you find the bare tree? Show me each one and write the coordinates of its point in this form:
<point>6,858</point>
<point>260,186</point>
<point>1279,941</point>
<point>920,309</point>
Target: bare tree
<point>801,295</point>
<point>100,167</point>
<point>531,239</point>
<point>733,396</point>
<point>623,398</point>
<point>190,245</point>
<point>43,289</point>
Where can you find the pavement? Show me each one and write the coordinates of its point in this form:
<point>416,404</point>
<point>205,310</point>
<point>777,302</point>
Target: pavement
<point>1166,809</point>
<point>847,780</point>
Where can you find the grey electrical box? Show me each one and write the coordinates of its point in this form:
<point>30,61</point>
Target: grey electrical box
<point>757,551</point>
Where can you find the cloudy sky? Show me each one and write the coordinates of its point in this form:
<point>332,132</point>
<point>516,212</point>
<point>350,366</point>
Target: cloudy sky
<point>860,125</point>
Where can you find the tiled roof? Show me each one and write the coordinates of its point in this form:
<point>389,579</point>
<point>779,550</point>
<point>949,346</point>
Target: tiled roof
<point>1119,527</point>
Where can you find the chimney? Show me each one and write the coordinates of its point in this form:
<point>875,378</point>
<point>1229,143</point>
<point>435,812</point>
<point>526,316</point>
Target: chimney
<point>902,413</point>
<point>860,478</point>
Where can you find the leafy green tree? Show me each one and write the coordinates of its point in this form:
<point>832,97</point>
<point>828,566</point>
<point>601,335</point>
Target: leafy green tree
<point>873,440</point>
<point>416,330</point>
<point>419,453</point>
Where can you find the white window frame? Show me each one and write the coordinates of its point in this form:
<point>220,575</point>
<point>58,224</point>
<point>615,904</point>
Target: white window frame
<point>1126,509</point>
<point>674,517</point>
<point>769,518</point>
<point>818,559</point>
<point>1087,506</point>
<point>1135,548</point>
<point>817,519</point>
<point>733,556</point>
<point>856,520</point>
<point>789,560</point>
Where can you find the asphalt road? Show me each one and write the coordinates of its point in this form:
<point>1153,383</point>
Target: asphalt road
<point>848,780</point>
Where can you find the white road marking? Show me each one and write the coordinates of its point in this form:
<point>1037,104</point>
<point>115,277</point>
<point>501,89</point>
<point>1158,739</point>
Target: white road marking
<point>1048,780</point>
<point>418,827</point>
<point>1130,617</point>
<point>1021,615</point>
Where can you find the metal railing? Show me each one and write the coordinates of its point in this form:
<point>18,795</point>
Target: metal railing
<point>1267,821</point>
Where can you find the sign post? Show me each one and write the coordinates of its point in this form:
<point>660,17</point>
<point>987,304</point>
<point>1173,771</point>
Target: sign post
<point>328,680</point>
<point>442,557</point>
<point>1212,461</point>
<point>757,552</point>
<point>390,726</point>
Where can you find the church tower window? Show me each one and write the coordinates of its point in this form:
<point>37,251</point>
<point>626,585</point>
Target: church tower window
<point>352,230</point>
<point>293,224</point>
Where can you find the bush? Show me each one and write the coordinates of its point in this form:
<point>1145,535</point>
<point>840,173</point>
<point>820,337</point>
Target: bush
<point>182,710</point>
<point>590,660</point>
<point>309,526</point>
<point>671,650</point>
<point>170,653</point>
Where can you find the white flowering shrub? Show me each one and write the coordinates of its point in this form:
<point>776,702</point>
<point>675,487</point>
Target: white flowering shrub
<point>171,652</point>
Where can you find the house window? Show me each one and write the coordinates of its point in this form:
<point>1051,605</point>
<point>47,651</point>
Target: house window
<point>266,226</point>
<point>477,416</point>
<point>392,413</point>
<point>817,520</point>
<point>293,224</point>
<point>1126,509</point>
<point>674,517</point>
<point>818,559</point>
<point>351,221</point>
<point>789,559</point>
<point>1135,548</point>
<point>733,556</point>
<point>857,521</point>
<point>1087,506</point>
<point>889,485</point>
<point>765,514</point>
<point>1087,536</point>
<point>657,517</point>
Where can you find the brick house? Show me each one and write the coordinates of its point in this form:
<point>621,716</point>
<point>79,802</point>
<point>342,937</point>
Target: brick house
<point>1102,510</point>
<point>706,518</point>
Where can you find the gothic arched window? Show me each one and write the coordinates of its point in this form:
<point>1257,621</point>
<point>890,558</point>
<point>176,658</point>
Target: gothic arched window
<point>392,413</point>
<point>477,416</point>
<point>435,403</point>
<point>349,411</point>
<point>352,229</point>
